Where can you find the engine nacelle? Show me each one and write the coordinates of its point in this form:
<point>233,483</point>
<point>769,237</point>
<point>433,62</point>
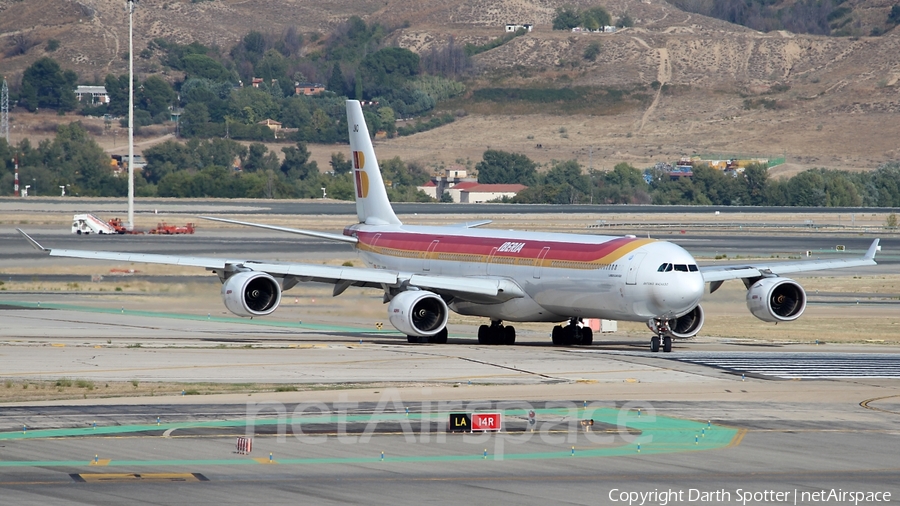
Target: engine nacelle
<point>418,313</point>
<point>686,325</point>
<point>776,299</point>
<point>251,294</point>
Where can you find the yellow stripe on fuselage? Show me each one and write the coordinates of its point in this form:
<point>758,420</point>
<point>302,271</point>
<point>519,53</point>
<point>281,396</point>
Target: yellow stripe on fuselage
<point>602,262</point>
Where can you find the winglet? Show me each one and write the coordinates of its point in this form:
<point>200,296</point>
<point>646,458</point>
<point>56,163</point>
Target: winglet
<point>34,244</point>
<point>870,255</point>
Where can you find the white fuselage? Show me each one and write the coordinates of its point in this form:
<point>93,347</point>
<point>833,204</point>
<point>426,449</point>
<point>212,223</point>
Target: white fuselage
<point>563,275</point>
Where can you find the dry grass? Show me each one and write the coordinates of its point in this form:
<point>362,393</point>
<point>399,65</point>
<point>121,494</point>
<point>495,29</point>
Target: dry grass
<point>74,388</point>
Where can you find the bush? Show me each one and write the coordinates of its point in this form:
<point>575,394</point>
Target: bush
<point>591,52</point>
<point>421,126</point>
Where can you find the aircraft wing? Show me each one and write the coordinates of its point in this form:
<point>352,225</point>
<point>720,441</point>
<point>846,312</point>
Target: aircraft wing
<point>720,273</point>
<point>476,289</point>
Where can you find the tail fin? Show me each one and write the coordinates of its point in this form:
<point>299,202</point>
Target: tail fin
<point>372,204</point>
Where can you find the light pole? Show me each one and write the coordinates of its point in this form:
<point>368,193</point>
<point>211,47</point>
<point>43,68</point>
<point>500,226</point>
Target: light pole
<point>130,224</point>
<point>323,193</point>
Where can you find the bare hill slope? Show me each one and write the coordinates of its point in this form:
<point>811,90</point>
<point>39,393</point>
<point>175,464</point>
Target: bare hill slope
<point>718,87</point>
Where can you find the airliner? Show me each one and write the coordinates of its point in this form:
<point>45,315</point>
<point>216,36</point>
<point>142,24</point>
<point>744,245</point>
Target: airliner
<point>504,276</point>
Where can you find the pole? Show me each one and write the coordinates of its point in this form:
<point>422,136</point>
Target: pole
<point>130,225</point>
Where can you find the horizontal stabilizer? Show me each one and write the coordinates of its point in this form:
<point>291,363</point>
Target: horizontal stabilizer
<point>310,233</point>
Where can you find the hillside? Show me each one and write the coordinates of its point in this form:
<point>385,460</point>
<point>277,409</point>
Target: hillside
<point>719,87</point>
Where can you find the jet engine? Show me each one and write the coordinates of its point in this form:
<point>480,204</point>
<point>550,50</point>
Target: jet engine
<point>418,313</point>
<point>686,325</point>
<point>776,299</point>
<point>251,294</point>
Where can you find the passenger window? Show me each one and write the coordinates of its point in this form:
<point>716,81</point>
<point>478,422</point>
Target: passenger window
<point>693,268</point>
<point>681,268</point>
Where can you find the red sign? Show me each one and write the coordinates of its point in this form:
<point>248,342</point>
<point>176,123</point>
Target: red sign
<point>485,421</point>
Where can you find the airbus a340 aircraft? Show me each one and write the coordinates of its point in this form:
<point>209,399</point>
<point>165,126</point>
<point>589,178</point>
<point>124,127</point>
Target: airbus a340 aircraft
<point>505,276</point>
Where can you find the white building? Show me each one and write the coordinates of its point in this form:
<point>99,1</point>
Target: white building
<point>92,94</point>
<point>475,193</point>
<point>512,27</point>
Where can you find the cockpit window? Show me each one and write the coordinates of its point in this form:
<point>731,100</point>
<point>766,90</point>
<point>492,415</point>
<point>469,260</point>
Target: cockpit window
<point>678,267</point>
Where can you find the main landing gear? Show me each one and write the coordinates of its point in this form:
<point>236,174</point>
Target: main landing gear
<point>496,333</point>
<point>662,334</point>
<point>439,338</point>
<point>572,334</point>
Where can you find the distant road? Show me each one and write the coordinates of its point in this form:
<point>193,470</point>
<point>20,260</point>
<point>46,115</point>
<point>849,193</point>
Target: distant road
<point>247,206</point>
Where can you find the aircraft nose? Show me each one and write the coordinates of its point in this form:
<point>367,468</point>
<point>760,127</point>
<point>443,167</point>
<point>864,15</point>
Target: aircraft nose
<point>681,294</point>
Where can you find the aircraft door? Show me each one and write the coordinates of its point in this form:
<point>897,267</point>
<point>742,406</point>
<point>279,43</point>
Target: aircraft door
<point>491,269</point>
<point>426,262</point>
<point>634,262</point>
<point>539,263</point>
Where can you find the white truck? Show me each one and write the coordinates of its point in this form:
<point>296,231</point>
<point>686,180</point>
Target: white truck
<point>90,224</point>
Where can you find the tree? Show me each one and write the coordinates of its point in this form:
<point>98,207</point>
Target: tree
<point>591,52</point>
<point>501,167</point>
<point>117,89</point>
<point>339,164</point>
<point>271,66</point>
<point>259,159</point>
<point>566,18</point>
<point>252,105</point>
<point>807,189</point>
<point>567,183</point>
<point>296,164</point>
<point>194,119</point>
<point>155,95</point>
<point>45,84</point>
<point>622,185</point>
<point>756,177</point>
<point>894,16</point>
<point>204,67</point>
<point>386,70</point>
<point>388,120</point>
<point>336,81</point>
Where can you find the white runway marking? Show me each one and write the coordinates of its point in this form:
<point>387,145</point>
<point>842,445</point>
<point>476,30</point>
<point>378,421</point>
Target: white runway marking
<point>799,365</point>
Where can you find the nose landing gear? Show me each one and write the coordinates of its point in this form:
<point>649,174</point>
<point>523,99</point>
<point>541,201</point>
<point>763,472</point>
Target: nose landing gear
<point>661,327</point>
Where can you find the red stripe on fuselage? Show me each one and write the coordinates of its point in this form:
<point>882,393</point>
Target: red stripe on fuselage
<point>482,246</point>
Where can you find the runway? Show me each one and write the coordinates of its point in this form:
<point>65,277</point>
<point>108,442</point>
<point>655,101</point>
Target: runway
<point>705,429</point>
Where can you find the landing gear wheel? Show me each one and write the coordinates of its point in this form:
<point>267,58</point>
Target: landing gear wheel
<point>654,344</point>
<point>509,336</point>
<point>484,333</point>
<point>440,337</point>
<point>667,344</point>
<point>557,336</point>
<point>412,339</point>
<point>587,336</point>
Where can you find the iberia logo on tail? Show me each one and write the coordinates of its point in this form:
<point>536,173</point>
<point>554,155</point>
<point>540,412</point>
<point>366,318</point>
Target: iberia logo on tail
<point>362,179</point>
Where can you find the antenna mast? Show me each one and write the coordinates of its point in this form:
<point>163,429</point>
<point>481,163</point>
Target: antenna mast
<point>130,224</point>
<point>4,112</point>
